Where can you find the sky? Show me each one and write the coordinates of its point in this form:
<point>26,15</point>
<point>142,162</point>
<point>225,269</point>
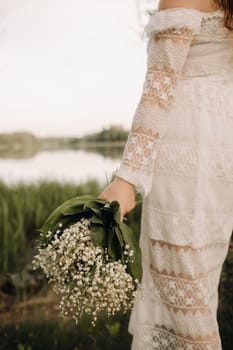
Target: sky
<point>70,67</point>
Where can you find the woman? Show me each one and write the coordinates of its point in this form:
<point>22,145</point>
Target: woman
<point>179,155</point>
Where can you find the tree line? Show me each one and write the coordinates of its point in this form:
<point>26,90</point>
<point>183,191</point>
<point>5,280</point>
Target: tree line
<point>18,141</point>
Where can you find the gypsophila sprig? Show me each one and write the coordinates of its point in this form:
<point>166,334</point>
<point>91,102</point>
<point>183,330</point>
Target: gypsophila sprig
<point>92,263</point>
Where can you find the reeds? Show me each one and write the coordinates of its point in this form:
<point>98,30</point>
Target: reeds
<point>23,209</point>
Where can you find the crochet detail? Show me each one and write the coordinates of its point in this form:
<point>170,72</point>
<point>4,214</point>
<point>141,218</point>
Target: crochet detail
<point>140,149</point>
<point>167,51</point>
<point>159,337</point>
<point>174,18</point>
<point>159,85</point>
<point>188,159</point>
<point>183,128</point>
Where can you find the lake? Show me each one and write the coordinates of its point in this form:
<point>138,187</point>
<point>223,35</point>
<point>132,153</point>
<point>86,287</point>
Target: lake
<point>63,165</point>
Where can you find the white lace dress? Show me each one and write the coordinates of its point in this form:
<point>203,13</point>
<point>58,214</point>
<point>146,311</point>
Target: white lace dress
<point>179,155</point>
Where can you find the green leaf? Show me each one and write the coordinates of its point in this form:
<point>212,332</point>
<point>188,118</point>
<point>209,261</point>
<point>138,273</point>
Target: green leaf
<point>119,236</point>
<point>70,207</point>
<point>121,243</point>
<point>112,251</point>
<point>116,211</point>
<point>94,203</point>
<point>98,235</point>
<point>96,220</point>
<point>106,228</point>
<point>107,213</point>
<point>135,268</point>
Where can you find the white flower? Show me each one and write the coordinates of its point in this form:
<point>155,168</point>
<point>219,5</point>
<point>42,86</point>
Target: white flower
<point>83,276</point>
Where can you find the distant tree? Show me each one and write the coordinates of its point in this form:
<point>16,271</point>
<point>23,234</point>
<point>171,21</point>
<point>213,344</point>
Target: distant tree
<point>18,140</point>
<point>111,134</point>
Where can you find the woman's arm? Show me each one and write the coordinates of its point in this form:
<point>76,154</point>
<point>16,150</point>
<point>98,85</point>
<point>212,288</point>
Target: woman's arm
<point>121,191</point>
<point>205,6</point>
<point>170,36</point>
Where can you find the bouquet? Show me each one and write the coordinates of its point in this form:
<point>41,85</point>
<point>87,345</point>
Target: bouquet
<point>91,258</point>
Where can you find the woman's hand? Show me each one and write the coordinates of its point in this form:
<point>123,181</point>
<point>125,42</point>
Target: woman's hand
<point>121,191</point>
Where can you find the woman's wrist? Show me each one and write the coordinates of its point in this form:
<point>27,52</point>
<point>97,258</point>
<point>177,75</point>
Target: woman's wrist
<point>121,180</point>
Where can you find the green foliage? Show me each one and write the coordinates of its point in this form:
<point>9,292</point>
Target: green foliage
<point>23,209</point>
<point>58,335</point>
<point>25,144</point>
<point>111,134</point>
<point>18,140</point>
<point>106,228</point>
<point>22,347</point>
<point>18,144</point>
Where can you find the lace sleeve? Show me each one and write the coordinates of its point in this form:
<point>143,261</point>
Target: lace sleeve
<point>170,34</point>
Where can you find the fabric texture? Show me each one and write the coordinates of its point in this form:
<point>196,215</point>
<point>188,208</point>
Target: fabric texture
<point>179,155</point>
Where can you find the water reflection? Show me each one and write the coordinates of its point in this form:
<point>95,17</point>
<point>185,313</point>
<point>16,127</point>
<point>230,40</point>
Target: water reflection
<point>112,152</point>
<point>64,165</point>
<point>108,152</point>
<point>19,154</point>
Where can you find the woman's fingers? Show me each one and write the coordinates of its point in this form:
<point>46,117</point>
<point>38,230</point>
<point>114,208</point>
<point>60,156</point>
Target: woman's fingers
<point>122,192</point>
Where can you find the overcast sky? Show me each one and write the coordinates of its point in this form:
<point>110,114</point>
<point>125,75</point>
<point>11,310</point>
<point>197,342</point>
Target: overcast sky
<point>68,67</point>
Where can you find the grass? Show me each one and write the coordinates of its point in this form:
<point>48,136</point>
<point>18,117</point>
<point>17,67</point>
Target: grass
<point>23,209</point>
<point>59,335</point>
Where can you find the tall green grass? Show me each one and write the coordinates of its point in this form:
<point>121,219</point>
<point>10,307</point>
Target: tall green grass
<point>109,334</point>
<point>23,209</point>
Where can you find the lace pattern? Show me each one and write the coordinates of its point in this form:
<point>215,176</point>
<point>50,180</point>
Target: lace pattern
<point>172,34</point>
<point>159,85</point>
<point>174,18</point>
<point>193,325</point>
<point>167,51</point>
<point>179,156</point>
<point>196,262</point>
<point>185,229</point>
<point>140,150</point>
<point>185,293</point>
<point>191,159</point>
<point>159,337</point>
